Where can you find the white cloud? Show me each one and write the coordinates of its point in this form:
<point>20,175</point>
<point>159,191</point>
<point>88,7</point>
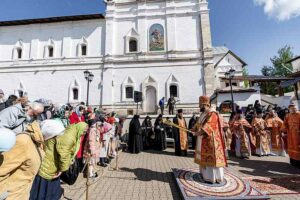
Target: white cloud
<point>280,9</point>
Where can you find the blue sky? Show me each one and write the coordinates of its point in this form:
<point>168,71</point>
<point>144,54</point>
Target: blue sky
<point>252,32</point>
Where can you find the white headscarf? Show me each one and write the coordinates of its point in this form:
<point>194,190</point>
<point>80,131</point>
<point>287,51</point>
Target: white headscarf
<point>7,139</point>
<point>51,128</point>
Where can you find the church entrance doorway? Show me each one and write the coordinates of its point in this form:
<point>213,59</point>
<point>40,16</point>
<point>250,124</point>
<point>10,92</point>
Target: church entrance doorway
<point>150,100</point>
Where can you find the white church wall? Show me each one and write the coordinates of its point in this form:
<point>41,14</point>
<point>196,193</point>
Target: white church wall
<point>105,38</point>
<point>296,65</point>
<point>65,36</point>
<point>188,79</point>
<point>187,33</point>
<point>184,33</point>
<point>241,99</point>
<point>54,85</point>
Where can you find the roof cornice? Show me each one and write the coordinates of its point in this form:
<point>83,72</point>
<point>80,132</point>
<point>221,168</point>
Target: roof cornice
<point>51,20</point>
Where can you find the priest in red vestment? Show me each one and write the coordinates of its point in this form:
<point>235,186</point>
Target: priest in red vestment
<point>292,128</point>
<point>210,147</point>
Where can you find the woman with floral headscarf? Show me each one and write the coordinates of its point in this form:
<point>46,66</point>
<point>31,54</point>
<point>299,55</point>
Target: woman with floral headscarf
<point>62,115</point>
<point>60,151</point>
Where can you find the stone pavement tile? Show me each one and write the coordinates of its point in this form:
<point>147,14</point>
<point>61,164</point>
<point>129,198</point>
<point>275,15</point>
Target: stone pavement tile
<point>148,176</point>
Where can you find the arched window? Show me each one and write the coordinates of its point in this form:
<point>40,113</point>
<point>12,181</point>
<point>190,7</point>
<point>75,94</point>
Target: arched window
<point>133,45</point>
<point>173,87</point>
<point>21,90</point>
<point>21,93</point>
<point>129,92</point>
<point>173,91</point>
<point>128,87</point>
<point>83,49</point>
<point>75,93</point>
<point>19,53</point>
<point>50,51</point>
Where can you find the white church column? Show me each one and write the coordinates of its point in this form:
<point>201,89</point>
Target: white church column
<point>34,46</point>
<point>109,29</point>
<point>107,86</point>
<point>142,27</point>
<point>207,48</point>
<point>171,26</point>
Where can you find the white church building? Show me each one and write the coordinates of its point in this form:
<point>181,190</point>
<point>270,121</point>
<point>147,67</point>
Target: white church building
<point>160,48</point>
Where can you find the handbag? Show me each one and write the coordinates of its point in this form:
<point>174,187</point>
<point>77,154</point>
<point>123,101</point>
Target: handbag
<point>70,176</point>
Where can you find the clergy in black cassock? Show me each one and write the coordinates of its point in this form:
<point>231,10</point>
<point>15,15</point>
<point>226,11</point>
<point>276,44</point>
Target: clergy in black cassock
<point>192,123</point>
<point>180,136</point>
<point>135,143</point>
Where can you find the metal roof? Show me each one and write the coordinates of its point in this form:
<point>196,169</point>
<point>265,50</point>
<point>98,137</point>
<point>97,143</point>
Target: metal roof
<point>289,82</point>
<point>220,50</point>
<point>296,58</point>
<point>260,78</point>
<point>51,20</point>
<point>235,89</point>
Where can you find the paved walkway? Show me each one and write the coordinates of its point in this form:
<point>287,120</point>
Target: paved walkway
<point>148,176</point>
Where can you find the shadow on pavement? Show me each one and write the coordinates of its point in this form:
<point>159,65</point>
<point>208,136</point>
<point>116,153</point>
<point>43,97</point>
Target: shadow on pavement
<point>265,168</point>
<point>168,152</point>
<point>271,173</point>
<point>149,175</point>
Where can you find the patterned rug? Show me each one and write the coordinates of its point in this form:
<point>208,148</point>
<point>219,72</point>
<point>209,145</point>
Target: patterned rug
<point>276,185</point>
<point>192,187</point>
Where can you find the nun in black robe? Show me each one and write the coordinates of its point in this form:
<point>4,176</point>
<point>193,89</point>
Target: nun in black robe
<point>135,143</point>
<point>160,134</point>
<point>147,132</point>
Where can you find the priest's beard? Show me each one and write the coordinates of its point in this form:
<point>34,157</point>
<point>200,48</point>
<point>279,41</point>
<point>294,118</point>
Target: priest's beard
<point>202,109</point>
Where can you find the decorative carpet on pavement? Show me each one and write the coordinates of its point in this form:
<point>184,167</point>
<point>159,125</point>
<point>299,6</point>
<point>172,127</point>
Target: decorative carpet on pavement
<point>276,185</point>
<point>192,187</point>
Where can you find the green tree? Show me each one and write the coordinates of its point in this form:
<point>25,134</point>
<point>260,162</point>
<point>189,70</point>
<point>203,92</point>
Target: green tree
<point>245,73</point>
<point>268,88</point>
<point>280,69</point>
<point>267,71</point>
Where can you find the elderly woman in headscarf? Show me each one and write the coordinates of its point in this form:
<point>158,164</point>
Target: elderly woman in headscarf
<point>78,115</point>
<point>7,139</point>
<point>63,114</point>
<point>105,130</point>
<point>60,152</point>
<point>17,117</point>
<point>20,165</point>
<point>92,147</point>
<point>7,142</point>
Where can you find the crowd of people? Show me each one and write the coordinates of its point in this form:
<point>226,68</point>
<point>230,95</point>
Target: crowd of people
<point>43,145</point>
<point>145,136</point>
<point>257,130</point>
<point>262,132</point>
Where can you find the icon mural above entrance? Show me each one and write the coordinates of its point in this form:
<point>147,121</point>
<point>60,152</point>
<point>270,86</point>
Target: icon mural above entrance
<point>156,38</point>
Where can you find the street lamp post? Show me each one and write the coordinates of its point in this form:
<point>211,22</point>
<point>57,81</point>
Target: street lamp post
<point>89,78</point>
<point>229,75</point>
